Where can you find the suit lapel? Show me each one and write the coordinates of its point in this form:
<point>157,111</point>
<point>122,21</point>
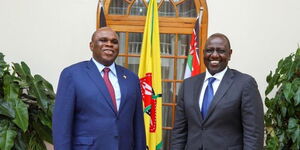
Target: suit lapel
<point>196,95</point>
<point>95,75</point>
<point>223,87</point>
<point>122,79</point>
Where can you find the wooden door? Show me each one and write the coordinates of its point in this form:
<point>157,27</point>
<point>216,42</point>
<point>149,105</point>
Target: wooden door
<point>176,23</point>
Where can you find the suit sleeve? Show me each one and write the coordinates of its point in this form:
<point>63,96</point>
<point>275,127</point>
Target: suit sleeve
<point>63,112</point>
<point>139,126</point>
<point>252,117</point>
<point>179,132</point>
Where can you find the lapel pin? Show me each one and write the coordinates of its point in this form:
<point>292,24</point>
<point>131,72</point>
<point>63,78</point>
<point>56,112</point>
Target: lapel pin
<point>124,76</point>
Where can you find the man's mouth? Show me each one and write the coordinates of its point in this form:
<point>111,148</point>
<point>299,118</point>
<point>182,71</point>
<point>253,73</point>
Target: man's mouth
<point>108,51</point>
<point>214,62</point>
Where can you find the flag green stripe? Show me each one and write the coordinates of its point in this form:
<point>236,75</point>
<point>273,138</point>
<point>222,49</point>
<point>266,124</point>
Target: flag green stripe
<point>147,108</point>
<point>158,146</point>
<point>152,24</point>
<point>189,61</point>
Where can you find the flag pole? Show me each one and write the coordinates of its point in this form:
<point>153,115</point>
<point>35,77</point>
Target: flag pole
<point>98,14</point>
<point>199,33</point>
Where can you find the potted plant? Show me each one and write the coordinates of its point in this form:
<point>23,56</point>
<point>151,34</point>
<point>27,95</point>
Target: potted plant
<point>26,103</point>
<point>282,119</point>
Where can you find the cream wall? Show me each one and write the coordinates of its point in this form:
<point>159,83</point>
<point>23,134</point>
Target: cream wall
<point>52,34</point>
<point>261,32</point>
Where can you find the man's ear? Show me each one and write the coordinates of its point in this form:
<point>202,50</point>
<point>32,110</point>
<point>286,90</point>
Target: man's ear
<point>230,52</point>
<point>91,46</point>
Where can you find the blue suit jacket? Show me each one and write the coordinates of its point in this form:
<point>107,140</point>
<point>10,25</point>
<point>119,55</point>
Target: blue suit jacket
<point>84,117</point>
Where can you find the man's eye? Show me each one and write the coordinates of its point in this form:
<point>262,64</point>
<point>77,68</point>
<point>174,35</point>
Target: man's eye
<point>115,41</point>
<point>209,51</point>
<point>103,40</point>
<point>221,51</point>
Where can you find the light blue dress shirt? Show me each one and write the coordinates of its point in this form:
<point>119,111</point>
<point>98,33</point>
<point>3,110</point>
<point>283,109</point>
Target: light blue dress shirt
<point>113,79</point>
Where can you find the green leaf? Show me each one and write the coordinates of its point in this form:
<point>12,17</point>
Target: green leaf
<point>45,119</point>
<point>288,91</point>
<point>282,137</point>
<point>25,68</point>
<point>297,97</point>
<point>45,82</point>
<point>21,119</point>
<point>269,88</point>
<point>36,90</point>
<point>291,110</point>
<point>20,71</point>
<point>286,65</point>
<point>44,132</point>
<point>269,77</point>
<point>10,89</point>
<point>279,120</point>
<point>20,142</point>
<point>35,143</point>
<point>272,82</point>
<point>6,109</point>
<point>283,111</point>
<point>7,137</point>
<point>272,143</point>
<point>279,65</point>
<point>296,135</point>
<point>292,123</point>
<point>268,102</point>
<point>46,86</point>
<point>3,65</point>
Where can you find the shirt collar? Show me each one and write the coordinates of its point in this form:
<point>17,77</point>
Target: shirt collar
<point>218,75</point>
<point>100,67</point>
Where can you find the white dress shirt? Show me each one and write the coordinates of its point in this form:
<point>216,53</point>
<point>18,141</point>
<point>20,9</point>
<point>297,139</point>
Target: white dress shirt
<point>113,79</point>
<point>219,76</point>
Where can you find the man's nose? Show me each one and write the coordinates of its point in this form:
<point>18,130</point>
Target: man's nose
<point>109,43</point>
<point>215,54</point>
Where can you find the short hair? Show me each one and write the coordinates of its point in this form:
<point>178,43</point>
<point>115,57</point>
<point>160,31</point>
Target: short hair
<point>222,36</point>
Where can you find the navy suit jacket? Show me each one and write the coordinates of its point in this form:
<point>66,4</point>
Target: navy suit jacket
<point>234,120</point>
<point>84,117</point>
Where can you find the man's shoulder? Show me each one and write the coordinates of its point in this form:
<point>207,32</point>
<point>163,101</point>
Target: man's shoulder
<point>76,66</point>
<point>196,77</point>
<point>239,73</point>
<point>126,71</point>
<point>241,76</point>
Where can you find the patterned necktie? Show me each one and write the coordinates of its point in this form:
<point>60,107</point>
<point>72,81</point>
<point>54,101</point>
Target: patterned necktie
<point>208,96</point>
<point>110,87</point>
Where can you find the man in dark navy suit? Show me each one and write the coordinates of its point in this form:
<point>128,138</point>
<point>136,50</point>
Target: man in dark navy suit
<point>220,109</point>
<point>98,103</point>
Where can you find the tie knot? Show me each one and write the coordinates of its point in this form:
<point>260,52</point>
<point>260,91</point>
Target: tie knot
<point>106,70</point>
<point>211,80</point>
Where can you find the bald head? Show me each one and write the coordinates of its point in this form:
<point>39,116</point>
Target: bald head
<point>99,30</point>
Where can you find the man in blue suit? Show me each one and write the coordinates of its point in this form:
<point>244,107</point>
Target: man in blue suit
<point>97,110</point>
